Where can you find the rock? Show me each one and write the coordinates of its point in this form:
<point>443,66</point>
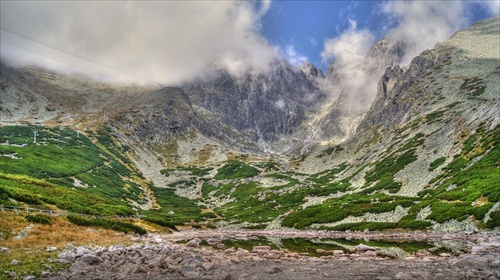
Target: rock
<point>128,268</point>
<point>29,277</point>
<point>213,241</point>
<point>15,262</point>
<point>320,251</point>
<point>364,248</point>
<point>189,272</point>
<point>260,248</point>
<point>67,255</point>
<point>403,276</point>
<point>80,251</point>
<point>370,254</point>
<point>90,259</point>
<point>220,246</point>
<point>194,243</point>
<point>13,275</point>
<point>469,261</point>
<point>4,249</point>
<point>51,249</point>
<point>275,270</point>
<point>156,262</point>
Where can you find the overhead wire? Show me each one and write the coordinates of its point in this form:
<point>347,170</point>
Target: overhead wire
<point>72,54</point>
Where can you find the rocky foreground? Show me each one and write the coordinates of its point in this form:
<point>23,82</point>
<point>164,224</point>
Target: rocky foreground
<point>159,257</point>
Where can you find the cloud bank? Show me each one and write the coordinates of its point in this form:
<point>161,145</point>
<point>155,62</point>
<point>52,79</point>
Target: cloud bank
<point>420,24</point>
<point>161,41</point>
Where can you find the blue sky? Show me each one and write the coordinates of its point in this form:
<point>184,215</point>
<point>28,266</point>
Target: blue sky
<point>306,25</point>
<point>170,42</point>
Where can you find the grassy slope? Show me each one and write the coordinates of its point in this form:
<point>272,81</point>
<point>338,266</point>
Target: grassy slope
<point>473,175</point>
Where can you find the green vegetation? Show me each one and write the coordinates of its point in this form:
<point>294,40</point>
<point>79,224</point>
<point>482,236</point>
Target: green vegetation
<point>65,158</point>
<point>436,163</point>
<point>236,170</point>
<point>107,224</point>
<point>474,86</point>
<point>38,219</point>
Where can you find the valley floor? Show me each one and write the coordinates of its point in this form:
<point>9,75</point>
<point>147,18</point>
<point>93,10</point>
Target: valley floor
<point>160,257</point>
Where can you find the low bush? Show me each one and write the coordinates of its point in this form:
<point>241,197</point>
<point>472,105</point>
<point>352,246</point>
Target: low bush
<point>38,219</point>
<point>107,224</point>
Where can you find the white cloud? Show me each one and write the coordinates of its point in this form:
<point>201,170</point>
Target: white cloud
<point>424,23</point>
<point>351,67</point>
<point>421,24</point>
<point>164,41</point>
<point>293,57</point>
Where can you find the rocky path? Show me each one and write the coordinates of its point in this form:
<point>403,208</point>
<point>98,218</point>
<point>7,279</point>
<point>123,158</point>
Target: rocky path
<point>157,257</point>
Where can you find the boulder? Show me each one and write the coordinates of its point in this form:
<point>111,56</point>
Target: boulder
<point>90,259</point>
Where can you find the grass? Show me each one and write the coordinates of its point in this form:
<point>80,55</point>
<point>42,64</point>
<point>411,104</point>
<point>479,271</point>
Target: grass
<point>234,169</point>
<point>31,250</point>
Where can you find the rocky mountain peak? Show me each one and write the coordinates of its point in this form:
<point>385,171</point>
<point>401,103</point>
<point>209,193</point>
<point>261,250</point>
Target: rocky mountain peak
<point>311,71</point>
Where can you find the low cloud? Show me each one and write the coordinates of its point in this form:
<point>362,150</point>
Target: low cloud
<point>351,71</point>
<point>420,24</point>
<point>162,41</point>
<point>294,57</point>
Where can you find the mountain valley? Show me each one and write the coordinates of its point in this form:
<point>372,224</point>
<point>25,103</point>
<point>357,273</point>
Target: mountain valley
<point>280,150</point>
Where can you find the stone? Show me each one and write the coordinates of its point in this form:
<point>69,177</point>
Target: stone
<point>29,277</point>
<point>275,270</point>
<point>194,243</point>
<point>469,261</point>
<point>90,259</point>
<point>64,261</point>
<point>15,262</point>
<point>67,255</point>
<point>51,249</point>
<point>364,248</point>
<point>260,248</point>
<point>403,276</point>
<point>156,262</point>
<point>4,249</point>
<point>213,241</point>
<point>189,272</point>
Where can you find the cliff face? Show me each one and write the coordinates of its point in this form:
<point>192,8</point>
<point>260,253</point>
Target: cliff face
<point>266,104</point>
<point>433,76</point>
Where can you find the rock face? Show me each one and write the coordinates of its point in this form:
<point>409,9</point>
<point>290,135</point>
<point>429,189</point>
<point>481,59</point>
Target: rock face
<point>312,73</point>
<point>265,104</point>
<point>160,115</point>
<point>441,73</point>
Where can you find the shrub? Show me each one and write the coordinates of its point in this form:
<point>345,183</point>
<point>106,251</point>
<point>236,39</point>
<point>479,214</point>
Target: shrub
<point>107,224</point>
<point>38,219</point>
<point>436,163</point>
<point>235,170</point>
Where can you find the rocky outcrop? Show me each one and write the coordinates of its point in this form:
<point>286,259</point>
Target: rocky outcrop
<point>154,257</point>
<point>312,73</point>
<point>265,104</point>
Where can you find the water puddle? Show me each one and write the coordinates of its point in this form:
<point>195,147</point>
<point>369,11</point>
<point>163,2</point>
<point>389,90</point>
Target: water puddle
<point>317,247</point>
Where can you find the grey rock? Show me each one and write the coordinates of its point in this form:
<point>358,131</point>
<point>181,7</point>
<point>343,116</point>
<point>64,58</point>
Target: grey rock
<point>67,255</point>
<point>15,262</point>
<point>195,243</point>
<point>51,249</point>
<point>364,248</point>
<point>90,259</point>
<point>189,272</point>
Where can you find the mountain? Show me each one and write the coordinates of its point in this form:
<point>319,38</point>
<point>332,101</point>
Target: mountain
<point>265,106</point>
<point>268,150</point>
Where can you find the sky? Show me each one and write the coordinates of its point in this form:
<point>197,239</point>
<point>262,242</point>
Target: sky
<point>170,42</point>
